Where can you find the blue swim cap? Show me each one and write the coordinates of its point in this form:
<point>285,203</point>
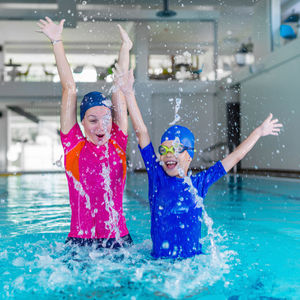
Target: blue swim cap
<point>93,99</point>
<point>185,136</point>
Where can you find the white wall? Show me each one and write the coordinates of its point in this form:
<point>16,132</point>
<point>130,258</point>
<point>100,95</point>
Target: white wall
<point>198,111</point>
<point>276,90</point>
<point>261,35</point>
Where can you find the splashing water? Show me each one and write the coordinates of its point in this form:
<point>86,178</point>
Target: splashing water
<point>36,264</point>
<point>216,259</point>
<point>177,107</point>
<point>112,223</point>
<point>78,186</point>
<point>207,220</point>
<point>59,270</point>
<point>116,86</point>
<point>59,163</point>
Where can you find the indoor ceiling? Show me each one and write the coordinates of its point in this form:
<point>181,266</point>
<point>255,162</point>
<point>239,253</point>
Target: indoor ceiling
<point>18,21</point>
<point>18,24</point>
<point>146,3</point>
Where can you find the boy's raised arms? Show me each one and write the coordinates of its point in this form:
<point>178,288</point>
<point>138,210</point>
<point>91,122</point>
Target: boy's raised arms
<point>125,83</point>
<point>268,127</point>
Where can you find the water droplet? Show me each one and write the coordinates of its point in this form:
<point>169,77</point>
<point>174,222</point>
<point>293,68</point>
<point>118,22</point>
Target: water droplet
<point>165,245</point>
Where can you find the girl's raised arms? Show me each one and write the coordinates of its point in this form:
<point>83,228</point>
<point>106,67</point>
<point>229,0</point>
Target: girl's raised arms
<point>68,114</point>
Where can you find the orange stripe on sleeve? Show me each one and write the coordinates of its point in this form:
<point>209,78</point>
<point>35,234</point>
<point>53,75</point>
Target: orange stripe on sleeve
<point>122,156</point>
<point>72,160</point>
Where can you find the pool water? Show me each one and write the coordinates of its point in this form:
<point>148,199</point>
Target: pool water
<point>256,221</point>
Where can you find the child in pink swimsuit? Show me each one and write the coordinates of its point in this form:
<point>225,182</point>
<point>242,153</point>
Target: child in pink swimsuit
<point>95,164</point>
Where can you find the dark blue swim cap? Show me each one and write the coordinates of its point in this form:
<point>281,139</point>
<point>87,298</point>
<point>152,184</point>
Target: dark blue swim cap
<point>185,136</point>
<point>93,99</point>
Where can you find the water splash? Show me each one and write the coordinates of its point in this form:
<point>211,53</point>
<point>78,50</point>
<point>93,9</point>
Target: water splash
<point>207,220</point>
<point>59,163</point>
<point>57,269</point>
<point>113,221</point>
<point>251,274</point>
<point>78,187</point>
<point>177,107</point>
<point>199,204</point>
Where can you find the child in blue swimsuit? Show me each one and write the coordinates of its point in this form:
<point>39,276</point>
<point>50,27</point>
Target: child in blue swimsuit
<point>173,196</point>
<point>175,212</point>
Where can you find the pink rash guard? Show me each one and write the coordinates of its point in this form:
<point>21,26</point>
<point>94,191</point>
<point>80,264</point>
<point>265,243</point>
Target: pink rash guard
<point>96,178</point>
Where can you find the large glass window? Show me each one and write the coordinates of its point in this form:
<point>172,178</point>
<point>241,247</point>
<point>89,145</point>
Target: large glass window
<point>41,67</point>
<point>290,20</point>
<point>35,146</point>
<point>92,50</point>
<point>181,50</point>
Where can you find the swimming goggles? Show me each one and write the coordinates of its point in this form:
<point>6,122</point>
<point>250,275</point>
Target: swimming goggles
<point>163,150</point>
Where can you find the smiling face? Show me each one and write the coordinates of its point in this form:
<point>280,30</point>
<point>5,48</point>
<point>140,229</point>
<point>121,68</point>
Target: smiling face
<point>175,164</point>
<point>97,123</point>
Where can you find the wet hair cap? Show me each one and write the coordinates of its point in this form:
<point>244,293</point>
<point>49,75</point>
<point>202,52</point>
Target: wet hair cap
<point>93,99</point>
<point>185,136</point>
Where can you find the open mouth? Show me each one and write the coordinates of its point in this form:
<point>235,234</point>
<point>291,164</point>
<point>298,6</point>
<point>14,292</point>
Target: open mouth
<point>171,164</point>
<point>100,136</point>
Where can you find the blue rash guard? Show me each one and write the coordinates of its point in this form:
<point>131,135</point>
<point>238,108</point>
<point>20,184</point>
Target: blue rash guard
<point>175,219</point>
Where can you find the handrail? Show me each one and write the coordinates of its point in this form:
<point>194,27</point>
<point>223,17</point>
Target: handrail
<point>215,146</point>
<point>210,149</point>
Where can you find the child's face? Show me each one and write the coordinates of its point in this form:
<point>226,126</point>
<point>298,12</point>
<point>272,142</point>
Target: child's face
<point>175,164</point>
<point>97,124</point>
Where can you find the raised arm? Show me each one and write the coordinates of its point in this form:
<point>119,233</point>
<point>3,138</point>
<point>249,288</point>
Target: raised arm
<point>125,83</point>
<point>118,99</point>
<point>68,114</point>
<point>268,127</point>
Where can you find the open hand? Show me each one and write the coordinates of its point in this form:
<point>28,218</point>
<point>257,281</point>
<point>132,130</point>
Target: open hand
<point>125,38</point>
<point>123,81</point>
<point>270,126</point>
<point>50,29</point>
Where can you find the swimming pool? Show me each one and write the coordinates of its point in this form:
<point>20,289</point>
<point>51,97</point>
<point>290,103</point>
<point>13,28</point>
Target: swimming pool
<point>258,241</point>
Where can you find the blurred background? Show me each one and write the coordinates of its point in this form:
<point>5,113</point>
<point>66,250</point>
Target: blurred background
<point>218,67</point>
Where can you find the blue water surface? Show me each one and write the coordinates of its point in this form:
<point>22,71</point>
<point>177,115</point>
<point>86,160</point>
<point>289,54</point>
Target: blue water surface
<point>257,233</point>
